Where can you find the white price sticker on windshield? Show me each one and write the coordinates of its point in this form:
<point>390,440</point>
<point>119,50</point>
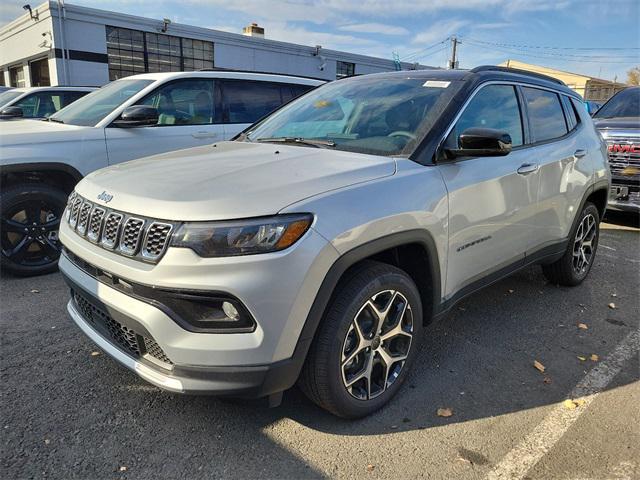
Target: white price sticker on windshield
<point>436,84</point>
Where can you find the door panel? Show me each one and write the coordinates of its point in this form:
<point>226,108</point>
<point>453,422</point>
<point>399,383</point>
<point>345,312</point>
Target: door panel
<point>186,118</point>
<point>491,205</point>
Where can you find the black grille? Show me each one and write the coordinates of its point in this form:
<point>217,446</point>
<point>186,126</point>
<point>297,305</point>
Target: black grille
<point>111,229</point>
<point>156,239</point>
<point>124,337</point>
<point>95,224</point>
<point>153,349</point>
<point>131,233</point>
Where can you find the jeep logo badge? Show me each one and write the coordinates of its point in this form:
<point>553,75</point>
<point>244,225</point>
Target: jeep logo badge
<point>105,197</point>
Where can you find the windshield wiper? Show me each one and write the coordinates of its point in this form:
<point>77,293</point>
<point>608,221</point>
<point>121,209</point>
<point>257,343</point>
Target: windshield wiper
<point>54,120</point>
<point>299,140</point>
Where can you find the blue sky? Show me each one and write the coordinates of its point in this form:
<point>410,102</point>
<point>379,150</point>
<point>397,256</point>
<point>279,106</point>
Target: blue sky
<point>491,31</point>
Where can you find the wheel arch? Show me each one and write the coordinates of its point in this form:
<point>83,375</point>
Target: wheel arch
<point>54,174</point>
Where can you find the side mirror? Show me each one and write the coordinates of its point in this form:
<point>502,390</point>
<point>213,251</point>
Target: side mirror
<point>12,112</point>
<point>137,116</point>
<point>482,142</point>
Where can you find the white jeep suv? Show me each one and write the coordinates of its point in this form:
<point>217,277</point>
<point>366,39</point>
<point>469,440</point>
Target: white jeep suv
<point>134,117</point>
<point>317,245</point>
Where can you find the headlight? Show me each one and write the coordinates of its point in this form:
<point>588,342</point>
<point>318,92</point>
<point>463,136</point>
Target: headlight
<point>242,237</point>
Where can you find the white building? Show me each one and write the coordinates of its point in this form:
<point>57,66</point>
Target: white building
<point>62,44</point>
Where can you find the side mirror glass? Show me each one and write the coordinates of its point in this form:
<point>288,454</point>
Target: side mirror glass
<point>482,142</point>
<point>12,112</point>
<point>137,116</point>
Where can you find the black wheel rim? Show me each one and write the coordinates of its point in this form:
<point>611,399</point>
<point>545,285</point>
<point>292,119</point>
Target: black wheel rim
<point>30,233</point>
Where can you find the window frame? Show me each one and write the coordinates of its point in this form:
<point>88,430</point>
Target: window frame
<point>564,115</point>
<point>216,102</point>
<point>527,137</point>
<point>349,66</point>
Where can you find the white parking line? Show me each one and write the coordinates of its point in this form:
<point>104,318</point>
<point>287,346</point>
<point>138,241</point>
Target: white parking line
<point>534,446</point>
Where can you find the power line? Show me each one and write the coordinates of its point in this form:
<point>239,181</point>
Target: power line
<point>431,53</point>
<point>407,57</point>
<point>552,47</point>
<point>525,53</point>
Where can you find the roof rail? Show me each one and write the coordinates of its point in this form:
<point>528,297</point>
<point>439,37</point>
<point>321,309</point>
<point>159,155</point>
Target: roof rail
<point>495,68</point>
<point>234,70</point>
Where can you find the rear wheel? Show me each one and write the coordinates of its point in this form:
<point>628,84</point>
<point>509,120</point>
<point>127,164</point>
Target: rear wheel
<point>366,343</point>
<point>30,216</point>
<point>575,264</point>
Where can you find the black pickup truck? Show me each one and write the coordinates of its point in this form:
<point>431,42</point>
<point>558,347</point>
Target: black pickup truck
<point>619,123</point>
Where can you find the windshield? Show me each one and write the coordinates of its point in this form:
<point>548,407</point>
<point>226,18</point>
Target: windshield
<point>376,115</point>
<point>624,104</point>
<point>7,96</point>
<point>92,108</point>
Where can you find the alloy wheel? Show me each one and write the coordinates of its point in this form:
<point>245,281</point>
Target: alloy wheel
<point>584,244</point>
<point>377,344</point>
<point>30,233</point>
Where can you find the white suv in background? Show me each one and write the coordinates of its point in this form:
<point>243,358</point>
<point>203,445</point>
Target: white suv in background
<point>38,102</point>
<point>134,117</point>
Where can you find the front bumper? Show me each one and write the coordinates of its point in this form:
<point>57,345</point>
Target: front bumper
<point>243,381</point>
<point>624,196</point>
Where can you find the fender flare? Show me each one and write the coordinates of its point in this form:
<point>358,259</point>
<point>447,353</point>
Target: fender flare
<point>41,167</point>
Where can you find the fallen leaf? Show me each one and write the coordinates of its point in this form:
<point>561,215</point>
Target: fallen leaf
<point>33,290</point>
<point>393,427</point>
<point>612,306</point>
<point>594,357</point>
<point>370,468</point>
<point>511,290</point>
<point>614,295</point>
<point>547,380</point>
<point>47,441</point>
<point>123,468</point>
<point>581,358</point>
<point>95,354</point>
<point>583,326</point>
<point>572,404</point>
<point>445,412</point>
<point>540,367</point>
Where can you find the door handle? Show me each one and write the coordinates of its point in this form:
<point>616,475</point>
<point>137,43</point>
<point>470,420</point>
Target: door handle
<point>204,135</point>
<point>579,153</point>
<point>527,168</point>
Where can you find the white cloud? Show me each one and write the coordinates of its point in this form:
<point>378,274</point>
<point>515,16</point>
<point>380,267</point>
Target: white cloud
<point>440,31</point>
<point>374,28</point>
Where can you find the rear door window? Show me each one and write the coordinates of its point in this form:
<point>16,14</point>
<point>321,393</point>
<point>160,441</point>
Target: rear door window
<point>546,118</point>
<point>70,97</point>
<point>248,101</point>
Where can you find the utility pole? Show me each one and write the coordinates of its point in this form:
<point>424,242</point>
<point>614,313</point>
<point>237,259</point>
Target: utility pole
<point>453,63</point>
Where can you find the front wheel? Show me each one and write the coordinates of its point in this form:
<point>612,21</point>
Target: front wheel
<point>578,259</point>
<point>366,343</point>
<point>30,214</point>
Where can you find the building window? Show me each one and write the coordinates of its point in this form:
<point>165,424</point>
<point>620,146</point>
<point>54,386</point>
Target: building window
<point>345,69</point>
<point>131,52</point>
<point>40,73</point>
<point>16,76</point>
<point>2,78</point>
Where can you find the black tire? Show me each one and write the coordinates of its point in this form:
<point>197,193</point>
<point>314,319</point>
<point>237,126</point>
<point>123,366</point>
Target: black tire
<point>322,377</point>
<point>567,271</point>
<point>29,249</point>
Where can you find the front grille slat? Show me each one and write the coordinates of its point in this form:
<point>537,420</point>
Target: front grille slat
<point>136,237</point>
<point>624,159</point>
<point>127,339</point>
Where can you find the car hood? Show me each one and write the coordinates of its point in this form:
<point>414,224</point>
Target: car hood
<point>619,122</point>
<point>32,131</point>
<point>228,180</point>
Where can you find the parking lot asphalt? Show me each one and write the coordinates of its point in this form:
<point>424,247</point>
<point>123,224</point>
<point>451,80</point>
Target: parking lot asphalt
<point>69,411</point>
